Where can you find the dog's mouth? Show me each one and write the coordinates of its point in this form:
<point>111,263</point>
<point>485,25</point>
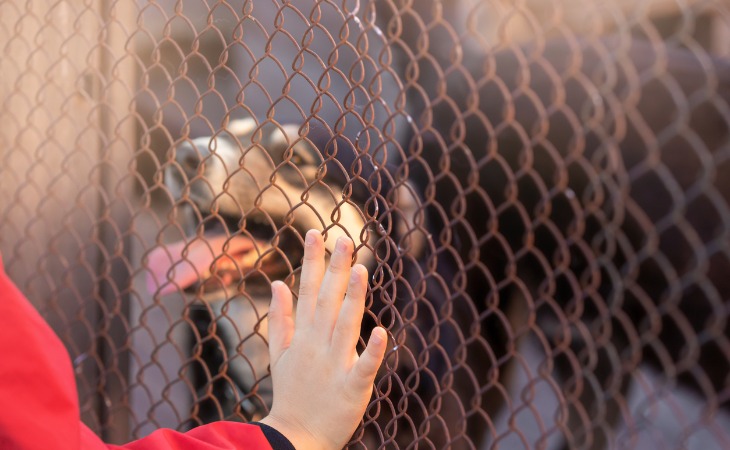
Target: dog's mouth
<point>243,253</point>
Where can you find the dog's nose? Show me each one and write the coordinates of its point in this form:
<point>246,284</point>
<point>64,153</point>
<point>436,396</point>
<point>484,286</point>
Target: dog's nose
<point>188,157</point>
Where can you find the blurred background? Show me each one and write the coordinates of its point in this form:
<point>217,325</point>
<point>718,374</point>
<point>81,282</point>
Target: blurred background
<point>97,95</point>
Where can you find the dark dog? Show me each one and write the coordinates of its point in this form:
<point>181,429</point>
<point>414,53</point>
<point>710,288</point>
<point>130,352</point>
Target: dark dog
<point>586,206</point>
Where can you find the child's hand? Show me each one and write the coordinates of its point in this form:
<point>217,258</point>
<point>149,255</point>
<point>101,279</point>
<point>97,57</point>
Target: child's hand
<point>321,385</point>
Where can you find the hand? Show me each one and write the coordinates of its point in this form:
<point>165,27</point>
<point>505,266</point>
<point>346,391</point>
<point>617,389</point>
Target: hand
<point>321,385</point>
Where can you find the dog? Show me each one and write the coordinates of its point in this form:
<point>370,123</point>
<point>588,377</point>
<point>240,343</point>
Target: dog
<point>591,178</point>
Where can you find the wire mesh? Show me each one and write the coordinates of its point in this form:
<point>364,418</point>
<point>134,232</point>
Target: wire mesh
<point>539,189</point>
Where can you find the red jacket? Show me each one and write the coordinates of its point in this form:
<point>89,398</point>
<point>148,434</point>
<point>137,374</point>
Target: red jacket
<point>39,405</point>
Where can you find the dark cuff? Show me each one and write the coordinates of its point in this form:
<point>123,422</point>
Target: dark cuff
<point>277,440</point>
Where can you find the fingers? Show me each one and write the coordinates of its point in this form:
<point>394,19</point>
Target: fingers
<point>347,328</point>
<point>366,367</point>
<point>334,286</point>
<point>311,278</point>
<point>281,321</point>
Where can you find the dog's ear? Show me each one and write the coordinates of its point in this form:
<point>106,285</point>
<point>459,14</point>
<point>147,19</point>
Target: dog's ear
<point>241,127</point>
<point>287,134</point>
<point>410,220</point>
<point>280,137</point>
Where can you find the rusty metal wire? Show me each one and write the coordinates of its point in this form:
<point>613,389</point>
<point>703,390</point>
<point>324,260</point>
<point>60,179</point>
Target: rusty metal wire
<point>539,189</point>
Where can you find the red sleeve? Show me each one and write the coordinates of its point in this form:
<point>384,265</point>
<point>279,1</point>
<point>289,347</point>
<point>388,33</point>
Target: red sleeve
<point>38,400</point>
<point>214,436</point>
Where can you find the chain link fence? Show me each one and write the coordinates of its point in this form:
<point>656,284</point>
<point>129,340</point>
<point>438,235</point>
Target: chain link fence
<point>539,189</point>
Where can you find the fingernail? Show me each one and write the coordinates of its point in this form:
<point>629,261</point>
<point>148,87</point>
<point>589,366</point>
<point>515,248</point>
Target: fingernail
<point>311,237</point>
<point>357,272</point>
<point>376,336</point>
<point>342,244</point>
<point>275,285</point>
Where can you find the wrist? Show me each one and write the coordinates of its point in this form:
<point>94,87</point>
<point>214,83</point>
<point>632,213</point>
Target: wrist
<point>299,436</point>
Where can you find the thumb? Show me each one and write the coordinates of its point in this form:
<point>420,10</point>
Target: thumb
<point>363,372</point>
<point>281,320</point>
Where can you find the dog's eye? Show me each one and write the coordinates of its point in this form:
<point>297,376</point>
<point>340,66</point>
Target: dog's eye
<point>297,159</point>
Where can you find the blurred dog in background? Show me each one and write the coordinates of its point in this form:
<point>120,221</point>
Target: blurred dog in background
<point>248,196</point>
